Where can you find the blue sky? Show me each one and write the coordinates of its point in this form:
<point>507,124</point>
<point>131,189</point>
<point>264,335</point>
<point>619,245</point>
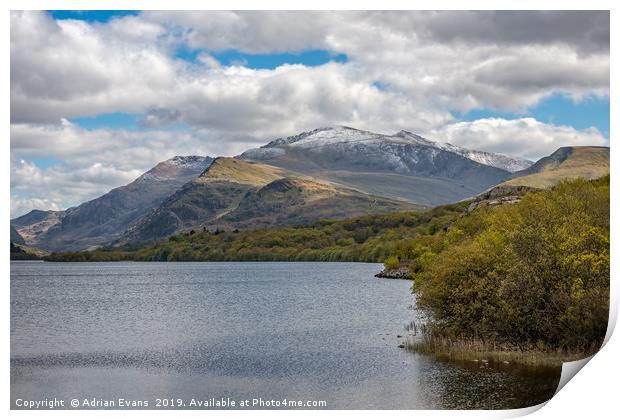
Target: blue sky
<point>266,61</point>
<point>559,110</point>
<point>91,15</point>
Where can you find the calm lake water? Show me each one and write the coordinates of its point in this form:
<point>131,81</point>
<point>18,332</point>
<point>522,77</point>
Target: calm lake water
<point>300,331</point>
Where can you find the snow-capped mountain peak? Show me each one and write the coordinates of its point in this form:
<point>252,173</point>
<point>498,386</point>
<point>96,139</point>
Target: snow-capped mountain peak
<point>329,134</point>
<point>343,137</point>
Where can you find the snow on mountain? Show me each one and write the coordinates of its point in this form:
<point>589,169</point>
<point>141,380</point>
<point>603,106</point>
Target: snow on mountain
<point>496,160</point>
<point>380,146</point>
<point>326,135</point>
<point>194,162</point>
<point>175,167</point>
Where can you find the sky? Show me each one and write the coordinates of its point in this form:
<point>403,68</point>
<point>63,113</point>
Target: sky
<point>99,97</point>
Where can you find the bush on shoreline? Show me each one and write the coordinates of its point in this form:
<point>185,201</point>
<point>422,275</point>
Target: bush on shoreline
<point>534,274</point>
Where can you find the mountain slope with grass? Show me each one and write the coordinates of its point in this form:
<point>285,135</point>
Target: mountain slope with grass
<point>369,238</point>
<point>587,162</point>
<point>236,194</point>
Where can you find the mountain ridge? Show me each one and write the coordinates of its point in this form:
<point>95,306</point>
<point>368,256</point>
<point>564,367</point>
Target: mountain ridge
<point>237,193</point>
<point>497,160</point>
<point>568,162</point>
<point>404,166</point>
<point>329,172</point>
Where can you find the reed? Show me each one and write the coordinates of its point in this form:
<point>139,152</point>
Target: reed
<point>466,349</point>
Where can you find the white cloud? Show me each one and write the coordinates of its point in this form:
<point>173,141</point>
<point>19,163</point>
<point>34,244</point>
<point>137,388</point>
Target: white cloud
<point>524,137</point>
<point>61,186</point>
<point>91,162</point>
<point>70,68</point>
<point>22,205</point>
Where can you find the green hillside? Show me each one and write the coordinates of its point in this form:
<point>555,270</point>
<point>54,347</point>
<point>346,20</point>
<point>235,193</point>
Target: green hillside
<point>534,274</point>
<point>370,238</point>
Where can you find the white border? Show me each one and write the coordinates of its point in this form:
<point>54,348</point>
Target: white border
<point>592,394</point>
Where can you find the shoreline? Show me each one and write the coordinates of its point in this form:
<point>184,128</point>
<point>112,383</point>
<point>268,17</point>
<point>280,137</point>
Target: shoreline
<point>394,273</point>
<point>477,351</point>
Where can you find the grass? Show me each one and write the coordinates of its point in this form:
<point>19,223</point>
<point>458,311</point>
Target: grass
<point>583,162</point>
<point>421,340</point>
<point>241,172</point>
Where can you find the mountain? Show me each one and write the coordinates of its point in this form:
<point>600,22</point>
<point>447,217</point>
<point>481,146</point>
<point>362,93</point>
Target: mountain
<point>402,166</point>
<point>35,224</point>
<point>16,238</point>
<point>21,251</point>
<point>495,160</point>
<point>100,221</point>
<point>233,193</point>
<point>588,162</point>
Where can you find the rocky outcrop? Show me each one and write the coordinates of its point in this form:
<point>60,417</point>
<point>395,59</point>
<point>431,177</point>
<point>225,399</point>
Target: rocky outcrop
<point>394,273</point>
<point>500,195</point>
<point>16,238</point>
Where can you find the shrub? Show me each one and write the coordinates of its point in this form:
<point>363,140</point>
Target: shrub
<point>536,272</point>
<point>392,262</point>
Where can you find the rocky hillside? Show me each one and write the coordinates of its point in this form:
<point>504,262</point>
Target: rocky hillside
<point>404,166</point>
<point>34,225</point>
<point>16,238</point>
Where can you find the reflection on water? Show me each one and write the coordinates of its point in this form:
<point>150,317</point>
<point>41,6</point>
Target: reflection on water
<point>311,331</point>
<point>473,385</point>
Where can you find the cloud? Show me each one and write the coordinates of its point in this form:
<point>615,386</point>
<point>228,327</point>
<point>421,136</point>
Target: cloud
<point>89,163</point>
<point>61,186</point>
<point>160,117</point>
<point>276,31</point>
<point>247,31</point>
<point>23,205</point>
<point>72,68</point>
<point>585,31</point>
<point>524,137</point>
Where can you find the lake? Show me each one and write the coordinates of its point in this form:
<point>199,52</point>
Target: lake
<point>168,333</point>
